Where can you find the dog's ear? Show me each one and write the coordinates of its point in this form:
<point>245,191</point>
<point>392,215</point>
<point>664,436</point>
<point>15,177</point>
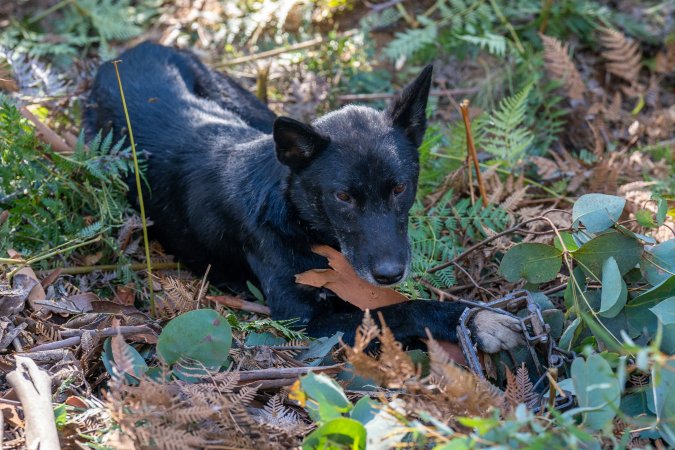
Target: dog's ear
<point>408,110</point>
<point>296,142</point>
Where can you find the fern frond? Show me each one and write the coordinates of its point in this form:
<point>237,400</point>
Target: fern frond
<point>507,137</point>
<point>494,43</point>
<point>560,66</point>
<point>623,55</point>
<point>406,43</point>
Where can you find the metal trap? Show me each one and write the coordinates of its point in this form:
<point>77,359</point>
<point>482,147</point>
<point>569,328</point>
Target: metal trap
<point>544,358</point>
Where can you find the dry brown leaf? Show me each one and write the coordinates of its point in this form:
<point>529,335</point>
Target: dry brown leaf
<point>560,66</point>
<point>125,295</point>
<point>346,284</point>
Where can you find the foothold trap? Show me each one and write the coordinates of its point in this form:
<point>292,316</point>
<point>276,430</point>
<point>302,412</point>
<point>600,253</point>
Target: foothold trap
<point>544,360</point>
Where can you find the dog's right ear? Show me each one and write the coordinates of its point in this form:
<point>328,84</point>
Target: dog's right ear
<point>296,142</point>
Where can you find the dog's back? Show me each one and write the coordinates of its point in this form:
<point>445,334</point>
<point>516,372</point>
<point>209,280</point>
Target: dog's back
<point>187,121</point>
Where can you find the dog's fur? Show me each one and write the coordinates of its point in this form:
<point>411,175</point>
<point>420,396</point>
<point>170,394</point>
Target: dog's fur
<point>233,186</point>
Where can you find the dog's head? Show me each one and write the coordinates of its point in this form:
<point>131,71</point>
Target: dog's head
<point>354,176</point>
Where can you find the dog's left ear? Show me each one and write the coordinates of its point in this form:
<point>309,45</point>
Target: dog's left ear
<point>408,110</point>
<point>296,142</point>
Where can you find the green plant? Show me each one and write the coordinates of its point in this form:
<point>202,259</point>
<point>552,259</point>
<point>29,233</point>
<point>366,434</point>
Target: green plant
<point>54,199</point>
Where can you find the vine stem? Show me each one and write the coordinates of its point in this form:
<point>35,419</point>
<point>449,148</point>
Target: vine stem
<point>137,171</point>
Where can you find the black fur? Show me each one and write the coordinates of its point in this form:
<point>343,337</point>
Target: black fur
<point>235,187</point>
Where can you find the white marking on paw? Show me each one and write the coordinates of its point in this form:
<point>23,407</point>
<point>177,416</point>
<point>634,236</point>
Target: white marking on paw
<point>497,332</point>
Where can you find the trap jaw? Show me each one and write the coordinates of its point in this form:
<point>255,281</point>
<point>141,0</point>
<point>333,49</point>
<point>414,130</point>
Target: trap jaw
<point>543,354</point>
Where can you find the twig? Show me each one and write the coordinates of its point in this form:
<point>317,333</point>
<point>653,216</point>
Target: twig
<point>464,107</point>
<point>388,95</point>
<point>242,305</point>
<point>483,242</point>
<point>281,50</point>
<point>285,372</point>
<point>110,331</point>
<point>33,386</point>
<point>76,336</point>
<point>46,134</point>
<point>137,172</point>
<point>110,267</point>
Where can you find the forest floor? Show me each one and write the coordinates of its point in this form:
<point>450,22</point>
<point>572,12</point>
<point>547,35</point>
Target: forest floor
<point>572,113</point>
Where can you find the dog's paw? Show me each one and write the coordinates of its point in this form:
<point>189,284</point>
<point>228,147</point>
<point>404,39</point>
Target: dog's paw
<point>494,332</point>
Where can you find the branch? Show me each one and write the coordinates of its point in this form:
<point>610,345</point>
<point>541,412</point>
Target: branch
<point>46,134</point>
<point>33,386</point>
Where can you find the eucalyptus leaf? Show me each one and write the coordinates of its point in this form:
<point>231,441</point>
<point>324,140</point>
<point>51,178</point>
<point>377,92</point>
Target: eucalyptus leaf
<point>665,311</point>
<point>537,263</point>
<point>202,335</point>
<point>568,239</point>
<point>658,263</point>
<point>338,433</point>
<point>139,365</point>
<point>592,255</point>
<point>597,212</point>
<point>596,386</point>
<point>329,400</point>
<point>661,291</point>
<point>663,379</point>
<point>614,290</point>
<point>567,338</point>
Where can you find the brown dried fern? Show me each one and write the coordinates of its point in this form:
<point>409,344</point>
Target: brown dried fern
<point>623,55</point>
<point>560,66</point>
<point>519,389</point>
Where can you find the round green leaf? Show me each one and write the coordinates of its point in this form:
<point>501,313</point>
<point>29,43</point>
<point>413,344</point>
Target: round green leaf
<point>596,386</point>
<point>568,239</point>
<point>592,255</point>
<point>597,212</point>
<point>614,290</point>
<point>341,432</point>
<point>537,263</point>
<point>202,335</point>
<point>658,263</point>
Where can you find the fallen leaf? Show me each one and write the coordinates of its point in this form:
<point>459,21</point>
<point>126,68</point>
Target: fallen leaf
<point>125,295</point>
<point>76,402</point>
<point>346,284</point>
<point>49,279</point>
<point>38,292</point>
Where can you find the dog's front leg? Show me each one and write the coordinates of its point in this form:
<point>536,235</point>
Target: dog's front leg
<point>410,320</point>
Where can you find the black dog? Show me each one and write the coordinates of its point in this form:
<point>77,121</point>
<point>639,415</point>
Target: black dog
<point>233,186</point>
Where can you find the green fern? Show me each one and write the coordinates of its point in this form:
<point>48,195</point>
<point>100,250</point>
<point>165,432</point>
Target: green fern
<point>506,137</point>
<point>406,43</point>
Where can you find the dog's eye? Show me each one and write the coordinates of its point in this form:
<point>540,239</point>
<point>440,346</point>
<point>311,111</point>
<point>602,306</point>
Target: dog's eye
<point>399,189</point>
<point>343,197</point>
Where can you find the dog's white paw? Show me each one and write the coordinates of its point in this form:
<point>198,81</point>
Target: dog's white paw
<point>495,332</point>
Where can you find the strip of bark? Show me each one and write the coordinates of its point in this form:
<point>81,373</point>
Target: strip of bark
<point>33,386</point>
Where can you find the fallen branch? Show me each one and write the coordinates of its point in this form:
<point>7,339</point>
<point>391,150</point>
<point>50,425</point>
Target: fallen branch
<point>285,372</point>
<point>73,337</point>
<point>239,304</point>
<point>46,134</point>
<point>471,148</point>
<point>33,386</point>
<point>110,267</point>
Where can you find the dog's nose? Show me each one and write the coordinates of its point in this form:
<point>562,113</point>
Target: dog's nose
<point>388,272</point>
